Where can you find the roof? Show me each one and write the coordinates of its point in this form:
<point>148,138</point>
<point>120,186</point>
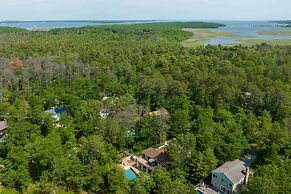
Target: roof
<point>160,112</point>
<point>51,111</point>
<point>145,163</point>
<point>234,171</point>
<point>55,111</point>
<point>3,125</point>
<point>162,158</point>
<point>151,152</point>
<point>159,155</point>
<point>60,110</point>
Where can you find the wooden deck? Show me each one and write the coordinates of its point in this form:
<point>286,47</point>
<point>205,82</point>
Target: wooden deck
<point>127,161</point>
<point>206,190</point>
<point>135,170</point>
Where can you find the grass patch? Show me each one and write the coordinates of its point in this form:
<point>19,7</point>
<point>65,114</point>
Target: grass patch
<point>11,30</point>
<point>201,36</point>
<point>279,42</point>
<point>281,32</point>
<point>7,191</point>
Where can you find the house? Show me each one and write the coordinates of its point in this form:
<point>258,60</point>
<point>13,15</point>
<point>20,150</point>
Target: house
<point>157,155</point>
<point>104,114</point>
<point>148,161</point>
<point>108,104</point>
<point>229,177</point>
<point>152,157</point>
<point>3,128</point>
<point>56,112</point>
<point>160,112</point>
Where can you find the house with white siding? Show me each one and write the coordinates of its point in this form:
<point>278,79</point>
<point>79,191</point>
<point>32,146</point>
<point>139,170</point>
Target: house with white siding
<point>229,177</point>
<point>3,127</point>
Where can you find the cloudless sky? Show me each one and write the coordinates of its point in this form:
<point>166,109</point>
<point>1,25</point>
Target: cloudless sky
<point>145,9</point>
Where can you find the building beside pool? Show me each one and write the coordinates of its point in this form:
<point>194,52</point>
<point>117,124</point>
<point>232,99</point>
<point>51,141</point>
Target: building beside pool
<point>152,157</point>
<point>147,163</point>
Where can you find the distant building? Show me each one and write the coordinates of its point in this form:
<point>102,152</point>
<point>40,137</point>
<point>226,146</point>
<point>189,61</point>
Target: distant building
<point>108,103</point>
<point>56,112</point>
<point>160,112</point>
<point>3,128</point>
<point>163,115</point>
<point>104,114</point>
<point>229,177</point>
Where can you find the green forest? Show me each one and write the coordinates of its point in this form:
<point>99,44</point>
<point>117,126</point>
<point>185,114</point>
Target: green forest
<point>223,101</point>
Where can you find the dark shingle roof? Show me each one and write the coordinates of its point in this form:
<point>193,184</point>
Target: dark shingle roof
<point>151,152</point>
<point>159,155</point>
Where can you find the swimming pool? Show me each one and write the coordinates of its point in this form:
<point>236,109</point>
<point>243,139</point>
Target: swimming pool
<point>129,173</point>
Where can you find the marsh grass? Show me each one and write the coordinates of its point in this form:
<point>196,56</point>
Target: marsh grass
<point>281,32</point>
<point>201,36</point>
<point>279,42</point>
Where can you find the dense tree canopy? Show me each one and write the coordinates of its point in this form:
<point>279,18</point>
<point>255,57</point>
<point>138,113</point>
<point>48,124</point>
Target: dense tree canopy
<point>221,101</point>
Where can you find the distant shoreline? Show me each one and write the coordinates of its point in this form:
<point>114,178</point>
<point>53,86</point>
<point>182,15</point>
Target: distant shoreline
<point>48,25</point>
<point>73,21</point>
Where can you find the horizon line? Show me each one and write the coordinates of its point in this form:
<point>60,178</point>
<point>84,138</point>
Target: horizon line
<point>117,20</point>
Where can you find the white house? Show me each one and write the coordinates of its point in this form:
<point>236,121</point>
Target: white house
<point>229,177</point>
<point>3,128</point>
<point>108,103</point>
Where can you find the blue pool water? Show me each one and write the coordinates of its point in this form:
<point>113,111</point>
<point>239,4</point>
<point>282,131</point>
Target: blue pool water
<point>130,174</point>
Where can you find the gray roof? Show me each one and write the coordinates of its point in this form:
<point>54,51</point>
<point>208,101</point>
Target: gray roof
<point>3,125</point>
<point>160,112</point>
<point>234,171</point>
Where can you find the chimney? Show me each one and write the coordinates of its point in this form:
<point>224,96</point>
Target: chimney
<point>247,173</point>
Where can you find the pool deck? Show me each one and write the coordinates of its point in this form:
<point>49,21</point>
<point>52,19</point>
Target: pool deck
<point>136,170</point>
<point>127,161</point>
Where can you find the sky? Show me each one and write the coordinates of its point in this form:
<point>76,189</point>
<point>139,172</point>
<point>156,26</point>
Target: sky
<point>145,9</point>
